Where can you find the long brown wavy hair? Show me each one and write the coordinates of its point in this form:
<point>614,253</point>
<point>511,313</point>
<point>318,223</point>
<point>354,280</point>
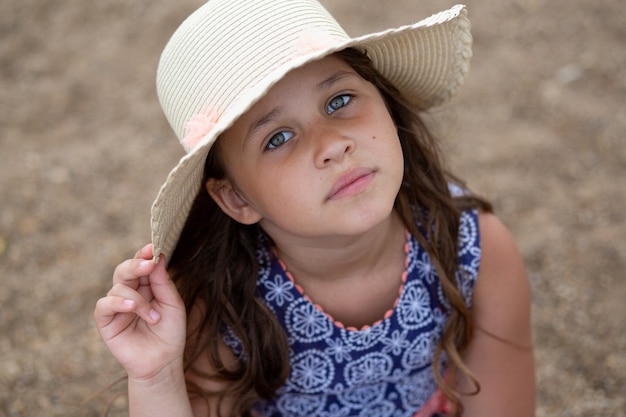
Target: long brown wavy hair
<point>215,265</point>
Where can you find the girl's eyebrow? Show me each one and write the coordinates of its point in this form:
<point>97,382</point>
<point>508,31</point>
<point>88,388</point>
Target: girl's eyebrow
<point>262,121</point>
<point>334,78</point>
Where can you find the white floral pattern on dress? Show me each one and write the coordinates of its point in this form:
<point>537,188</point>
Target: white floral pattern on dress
<point>371,368</point>
<point>420,352</point>
<point>278,290</point>
<point>381,370</point>
<point>337,349</point>
<point>312,372</point>
<point>305,323</point>
<point>414,310</point>
<point>396,343</point>
<point>365,338</point>
<point>356,397</point>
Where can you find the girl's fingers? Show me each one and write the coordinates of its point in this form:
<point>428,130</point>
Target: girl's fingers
<point>140,288</point>
<point>162,287</point>
<point>131,270</point>
<point>135,303</point>
<point>145,252</point>
<point>108,307</point>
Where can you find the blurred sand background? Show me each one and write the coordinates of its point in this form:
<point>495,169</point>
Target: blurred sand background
<point>539,129</point>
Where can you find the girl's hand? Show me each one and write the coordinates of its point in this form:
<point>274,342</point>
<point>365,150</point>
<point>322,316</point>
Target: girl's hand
<point>142,319</point>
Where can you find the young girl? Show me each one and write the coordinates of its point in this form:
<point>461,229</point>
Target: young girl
<point>312,257</point>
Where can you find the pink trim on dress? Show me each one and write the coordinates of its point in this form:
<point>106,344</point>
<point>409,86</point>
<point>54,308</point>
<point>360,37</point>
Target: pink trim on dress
<point>337,323</point>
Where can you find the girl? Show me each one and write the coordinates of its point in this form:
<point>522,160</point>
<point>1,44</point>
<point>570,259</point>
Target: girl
<point>312,256</point>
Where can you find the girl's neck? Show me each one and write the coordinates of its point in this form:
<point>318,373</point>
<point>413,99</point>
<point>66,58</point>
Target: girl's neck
<point>356,279</point>
<point>335,259</point>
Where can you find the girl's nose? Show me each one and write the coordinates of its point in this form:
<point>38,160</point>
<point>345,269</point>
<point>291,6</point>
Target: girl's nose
<point>331,144</point>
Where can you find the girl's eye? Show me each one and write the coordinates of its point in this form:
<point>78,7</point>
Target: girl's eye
<point>279,139</point>
<point>337,102</point>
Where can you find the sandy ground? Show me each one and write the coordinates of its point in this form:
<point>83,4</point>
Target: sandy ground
<point>539,129</point>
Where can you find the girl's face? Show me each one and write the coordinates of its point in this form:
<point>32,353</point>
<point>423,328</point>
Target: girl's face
<point>318,156</point>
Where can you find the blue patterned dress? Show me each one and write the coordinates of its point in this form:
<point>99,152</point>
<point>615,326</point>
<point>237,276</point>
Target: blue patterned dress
<point>382,370</point>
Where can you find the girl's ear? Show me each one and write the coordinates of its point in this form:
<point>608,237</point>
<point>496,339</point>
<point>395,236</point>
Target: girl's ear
<point>223,193</point>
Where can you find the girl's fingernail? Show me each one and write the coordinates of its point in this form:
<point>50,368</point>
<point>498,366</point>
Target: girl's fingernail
<point>129,303</point>
<point>154,315</point>
<point>145,264</point>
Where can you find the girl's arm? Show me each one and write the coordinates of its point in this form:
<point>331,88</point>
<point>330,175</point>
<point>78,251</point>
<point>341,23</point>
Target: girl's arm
<point>163,395</point>
<point>500,354</point>
<point>142,321</point>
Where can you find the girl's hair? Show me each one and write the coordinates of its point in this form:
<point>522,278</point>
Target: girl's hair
<point>215,265</point>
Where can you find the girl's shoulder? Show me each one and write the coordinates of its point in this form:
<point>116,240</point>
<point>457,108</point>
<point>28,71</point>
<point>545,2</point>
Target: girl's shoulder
<point>501,260</point>
<point>500,354</point>
<point>501,296</point>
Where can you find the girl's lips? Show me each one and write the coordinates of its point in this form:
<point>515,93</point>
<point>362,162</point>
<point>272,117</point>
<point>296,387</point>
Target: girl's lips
<point>351,183</point>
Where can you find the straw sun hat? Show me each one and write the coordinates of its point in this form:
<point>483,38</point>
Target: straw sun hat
<point>228,53</point>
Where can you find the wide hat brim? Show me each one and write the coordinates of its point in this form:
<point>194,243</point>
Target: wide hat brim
<point>427,62</point>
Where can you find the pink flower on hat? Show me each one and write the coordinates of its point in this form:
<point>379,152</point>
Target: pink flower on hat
<point>312,40</point>
<point>198,127</point>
